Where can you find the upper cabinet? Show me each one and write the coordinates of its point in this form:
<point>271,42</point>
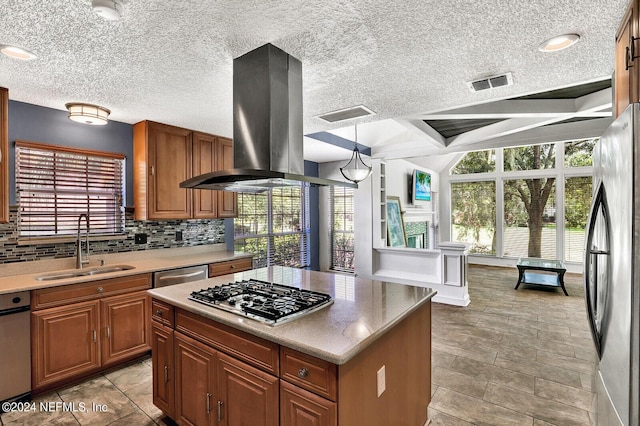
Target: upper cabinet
<point>166,155</point>
<point>227,201</point>
<point>4,155</point>
<point>627,67</point>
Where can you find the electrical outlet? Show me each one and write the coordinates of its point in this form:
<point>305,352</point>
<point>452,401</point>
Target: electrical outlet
<point>178,235</point>
<point>140,238</point>
<point>382,385</point>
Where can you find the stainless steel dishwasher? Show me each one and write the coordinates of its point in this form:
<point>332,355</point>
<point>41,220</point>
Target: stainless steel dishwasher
<point>181,275</point>
<point>15,346</point>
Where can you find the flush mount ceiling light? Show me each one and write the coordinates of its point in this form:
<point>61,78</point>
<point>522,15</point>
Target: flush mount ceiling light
<point>88,113</point>
<point>16,52</point>
<point>559,43</point>
<point>356,170</point>
<point>108,9</point>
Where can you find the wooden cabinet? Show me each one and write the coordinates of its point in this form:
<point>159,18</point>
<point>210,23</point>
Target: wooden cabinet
<point>165,156</point>
<point>230,266</point>
<point>213,388</point>
<point>241,386</point>
<point>162,159</point>
<point>300,407</point>
<point>627,65</point>
<point>4,155</point>
<point>205,160</point>
<point>79,329</point>
<point>122,317</point>
<point>163,367</point>
<point>64,343</point>
<point>227,201</point>
<point>194,382</point>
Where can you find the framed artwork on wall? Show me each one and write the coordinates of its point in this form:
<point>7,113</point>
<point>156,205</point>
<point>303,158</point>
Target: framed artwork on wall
<point>396,236</point>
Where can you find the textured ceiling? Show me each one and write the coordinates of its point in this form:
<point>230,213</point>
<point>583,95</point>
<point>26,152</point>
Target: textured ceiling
<point>171,61</point>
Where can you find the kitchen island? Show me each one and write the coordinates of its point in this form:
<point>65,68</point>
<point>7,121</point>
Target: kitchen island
<point>365,359</point>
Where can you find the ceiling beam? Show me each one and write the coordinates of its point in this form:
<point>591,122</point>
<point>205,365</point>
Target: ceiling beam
<point>529,108</point>
<point>426,133</point>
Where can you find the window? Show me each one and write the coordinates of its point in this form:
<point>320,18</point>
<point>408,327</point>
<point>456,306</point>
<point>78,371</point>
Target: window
<point>476,162</point>
<point>56,184</point>
<point>341,226</point>
<point>526,203</point>
<point>473,215</point>
<point>530,218</point>
<point>532,157</point>
<point>577,201</point>
<point>273,226</point>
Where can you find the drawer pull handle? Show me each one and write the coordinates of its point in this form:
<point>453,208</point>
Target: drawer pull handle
<point>94,336</point>
<point>159,313</point>
<point>220,411</point>
<point>303,372</point>
<point>166,374</point>
<point>108,332</point>
<point>233,266</point>
<point>208,402</point>
<point>100,289</point>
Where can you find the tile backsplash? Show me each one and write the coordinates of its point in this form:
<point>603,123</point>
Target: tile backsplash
<point>160,234</point>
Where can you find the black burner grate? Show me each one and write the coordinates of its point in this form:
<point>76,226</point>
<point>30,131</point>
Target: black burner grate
<point>261,300</point>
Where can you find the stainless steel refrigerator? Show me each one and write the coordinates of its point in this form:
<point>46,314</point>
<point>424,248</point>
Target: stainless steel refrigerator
<point>612,270</point>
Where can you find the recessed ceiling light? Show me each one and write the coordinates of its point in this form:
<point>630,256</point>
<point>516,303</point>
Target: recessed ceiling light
<point>108,9</point>
<point>559,42</point>
<point>16,52</point>
<point>88,113</point>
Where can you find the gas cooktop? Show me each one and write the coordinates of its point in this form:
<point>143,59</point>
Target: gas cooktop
<point>262,301</point>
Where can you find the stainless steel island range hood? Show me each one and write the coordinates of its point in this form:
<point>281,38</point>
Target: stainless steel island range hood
<point>267,127</point>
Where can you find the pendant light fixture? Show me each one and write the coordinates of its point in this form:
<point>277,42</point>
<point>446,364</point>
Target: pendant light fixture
<point>88,113</point>
<point>356,170</point>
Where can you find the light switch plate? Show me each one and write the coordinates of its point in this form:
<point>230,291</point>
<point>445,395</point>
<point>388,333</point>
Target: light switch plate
<point>382,385</point>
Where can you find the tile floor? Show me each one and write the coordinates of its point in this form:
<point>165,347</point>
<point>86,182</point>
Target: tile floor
<point>125,393</point>
<point>510,358</point>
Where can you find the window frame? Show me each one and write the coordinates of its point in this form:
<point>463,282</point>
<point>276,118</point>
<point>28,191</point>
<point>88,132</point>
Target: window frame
<point>114,198</point>
<point>304,232</point>
<point>333,230</point>
<point>559,172</point>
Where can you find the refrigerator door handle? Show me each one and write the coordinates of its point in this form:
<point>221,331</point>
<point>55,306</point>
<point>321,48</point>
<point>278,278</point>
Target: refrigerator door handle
<point>599,209</point>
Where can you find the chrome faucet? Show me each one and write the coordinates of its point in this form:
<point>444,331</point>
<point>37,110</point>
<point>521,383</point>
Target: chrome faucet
<point>79,260</point>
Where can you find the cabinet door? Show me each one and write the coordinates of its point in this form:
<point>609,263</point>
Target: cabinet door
<point>299,407</point>
<point>4,155</point>
<point>169,164</point>
<point>227,201</point>
<point>64,343</point>
<point>627,70</point>
<point>204,161</point>
<point>163,368</point>
<point>125,327</point>
<point>246,395</point>
<point>194,382</point>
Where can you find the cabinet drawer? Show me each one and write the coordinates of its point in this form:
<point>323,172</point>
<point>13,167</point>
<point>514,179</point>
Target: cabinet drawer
<point>313,374</point>
<point>230,266</point>
<point>56,296</point>
<point>246,347</point>
<point>162,312</point>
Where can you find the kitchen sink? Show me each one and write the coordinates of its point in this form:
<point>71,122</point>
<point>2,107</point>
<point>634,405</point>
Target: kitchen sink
<point>83,272</point>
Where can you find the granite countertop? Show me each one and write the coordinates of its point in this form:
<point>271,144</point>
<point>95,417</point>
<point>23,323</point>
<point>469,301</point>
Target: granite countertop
<point>22,276</point>
<point>362,310</point>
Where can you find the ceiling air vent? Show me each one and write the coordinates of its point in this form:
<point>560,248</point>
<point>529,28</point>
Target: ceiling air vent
<point>491,82</point>
<point>346,114</point>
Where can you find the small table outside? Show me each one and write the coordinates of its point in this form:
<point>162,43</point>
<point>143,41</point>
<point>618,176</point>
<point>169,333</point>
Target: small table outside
<point>555,266</point>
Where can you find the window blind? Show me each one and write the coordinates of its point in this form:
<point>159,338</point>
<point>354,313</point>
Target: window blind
<point>56,184</point>
<point>274,226</point>
<point>341,226</point>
